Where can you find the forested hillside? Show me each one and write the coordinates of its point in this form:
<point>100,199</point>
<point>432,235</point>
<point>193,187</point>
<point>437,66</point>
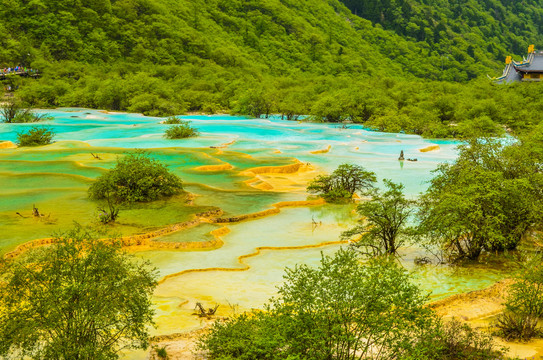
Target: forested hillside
<point>292,57</point>
<point>486,26</point>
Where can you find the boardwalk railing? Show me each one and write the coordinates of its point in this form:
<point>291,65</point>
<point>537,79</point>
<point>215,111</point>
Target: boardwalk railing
<point>4,74</point>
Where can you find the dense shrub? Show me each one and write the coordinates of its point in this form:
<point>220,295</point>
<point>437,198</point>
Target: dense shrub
<point>486,200</point>
<point>136,178</point>
<point>346,310</point>
<point>36,136</point>
<point>172,120</point>
<point>181,131</point>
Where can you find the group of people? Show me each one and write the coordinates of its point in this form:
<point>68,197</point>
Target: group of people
<point>16,70</point>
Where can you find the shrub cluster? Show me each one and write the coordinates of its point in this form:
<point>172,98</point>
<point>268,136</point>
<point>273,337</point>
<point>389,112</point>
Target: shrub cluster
<point>136,178</point>
<point>181,130</point>
<point>346,310</point>
<point>36,136</point>
<point>524,305</point>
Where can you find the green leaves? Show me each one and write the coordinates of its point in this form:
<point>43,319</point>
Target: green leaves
<point>487,200</point>
<point>80,298</point>
<point>181,130</point>
<point>342,183</point>
<point>136,178</point>
<point>35,136</point>
<point>339,310</point>
<point>382,228</point>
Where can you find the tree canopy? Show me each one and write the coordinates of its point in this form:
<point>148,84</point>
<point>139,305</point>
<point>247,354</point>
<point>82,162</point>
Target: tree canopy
<point>80,298</point>
<point>342,183</point>
<point>136,177</point>
<point>344,309</point>
<point>486,200</point>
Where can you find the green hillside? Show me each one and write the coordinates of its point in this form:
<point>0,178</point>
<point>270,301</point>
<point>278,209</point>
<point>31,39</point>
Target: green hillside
<point>494,27</point>
<point>256,57</point>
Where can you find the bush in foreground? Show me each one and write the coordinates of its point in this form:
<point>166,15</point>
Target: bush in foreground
<point>36,136</point>
<point>136,178</point>
<point>80,298</point>
<point>345,310</point>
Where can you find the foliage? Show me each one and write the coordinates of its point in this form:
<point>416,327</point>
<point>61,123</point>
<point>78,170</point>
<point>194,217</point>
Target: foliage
<point>12,111</point>
<point>488,199</point>
<point>35,136</point>
<point>181,131</point>
<point>346,310</point>
<point>384,220</point>
<point>524,305</point>
<point>173,120</point>
<point>454,340</point>
<point>109,214</point>
<point>392,67</point>
<point>136,178</point>
<point>80,298</point>
<point>342,183</point>
<point>491,26</point>
<point>162,353</point>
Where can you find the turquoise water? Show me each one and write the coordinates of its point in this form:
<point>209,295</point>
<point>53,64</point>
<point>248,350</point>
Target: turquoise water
<point>57,176</point>
<point>376,151</point>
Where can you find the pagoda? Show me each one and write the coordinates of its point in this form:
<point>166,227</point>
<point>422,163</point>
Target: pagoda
<point>530,69</point>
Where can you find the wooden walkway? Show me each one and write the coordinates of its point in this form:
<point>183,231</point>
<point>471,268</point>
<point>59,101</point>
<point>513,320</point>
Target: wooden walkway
<point>4,76</point>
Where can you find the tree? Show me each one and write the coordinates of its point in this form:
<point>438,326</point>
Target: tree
<point>340,310</point>
<point>342,183</point>
<point>345,310</point>
<point>80,298</point>
<point>36,136</point>
<point>12,111</point>
<point>487,200</point>
<point>383,223</point>
<point>136,178</point>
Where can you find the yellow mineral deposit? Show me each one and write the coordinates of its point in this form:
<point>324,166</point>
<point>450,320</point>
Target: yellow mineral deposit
<point>220,167</point>
<point>322,151</point>
<point>430,148</point>
<point>287,178</point>
<point>7,145</point>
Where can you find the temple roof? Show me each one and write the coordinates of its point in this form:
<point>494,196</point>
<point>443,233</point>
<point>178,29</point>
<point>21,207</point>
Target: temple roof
<point>535,65</point>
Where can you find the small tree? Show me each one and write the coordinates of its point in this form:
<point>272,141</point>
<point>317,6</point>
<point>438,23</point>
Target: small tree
<point>524,305</point>
<point>181,131</point>
<point>383,223</point>
<point>80,298</point>
<point>14,112</point>
<point>36,136</point>
<point>342,183</point>
<point>136,178</point>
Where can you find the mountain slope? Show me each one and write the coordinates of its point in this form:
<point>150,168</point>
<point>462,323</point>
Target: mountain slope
<point>257,57</point>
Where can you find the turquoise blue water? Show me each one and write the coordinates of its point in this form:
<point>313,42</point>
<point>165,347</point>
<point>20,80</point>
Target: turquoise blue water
<point>376,151</point>
<point>34,175</point>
